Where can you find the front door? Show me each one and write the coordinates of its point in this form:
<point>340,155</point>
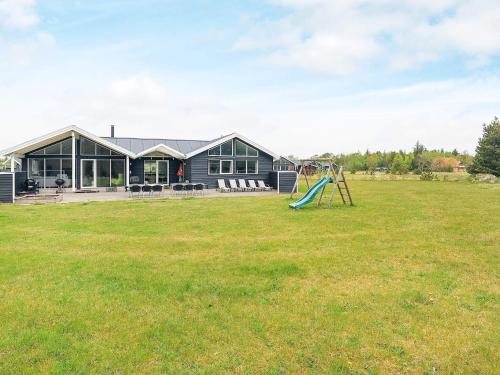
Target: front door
<point>156,172</point>
<point>88,168</point>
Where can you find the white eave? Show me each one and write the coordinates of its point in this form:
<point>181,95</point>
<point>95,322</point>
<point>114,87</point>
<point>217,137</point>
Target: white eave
<point>164,149</point>
<point>228,138</point>
<point>59,135</point>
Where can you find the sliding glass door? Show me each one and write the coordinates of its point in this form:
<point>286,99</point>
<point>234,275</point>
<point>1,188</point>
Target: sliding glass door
<point>156,172</point>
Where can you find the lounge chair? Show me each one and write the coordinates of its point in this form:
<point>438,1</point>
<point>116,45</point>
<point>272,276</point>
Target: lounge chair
<point>158,189</point>
<point>135,189</point>
<point>199,188</point>
<point>177,189</point>
<point>222,186</point>
<point>188,188</point>
<point>252,185</point>
<point>147,189</point>
<point>263,186</point>
<point>234,186</point>
<point>243,185</point>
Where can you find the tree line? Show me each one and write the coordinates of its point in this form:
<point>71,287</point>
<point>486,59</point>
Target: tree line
<point>420,159</point>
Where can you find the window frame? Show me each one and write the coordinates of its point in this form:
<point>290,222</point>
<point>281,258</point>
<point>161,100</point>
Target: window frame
<point>208,164</point>
<point>256,166</point>
<point>220,161</point>
<point>246,150</point>
<point>231,169</point>
<point>246,166</point>
<point>219,147</point>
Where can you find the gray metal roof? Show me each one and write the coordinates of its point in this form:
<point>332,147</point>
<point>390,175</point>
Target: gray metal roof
<point>138,145</point>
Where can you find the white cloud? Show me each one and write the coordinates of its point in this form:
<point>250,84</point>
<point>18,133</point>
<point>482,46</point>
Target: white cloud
<point>342,36</point>
<point>17,14</point>
<point>21,48</point>
<point>26,50</point>
<point>445,114</point>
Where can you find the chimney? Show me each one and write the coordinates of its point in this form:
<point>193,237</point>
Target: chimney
<point>112,131</point>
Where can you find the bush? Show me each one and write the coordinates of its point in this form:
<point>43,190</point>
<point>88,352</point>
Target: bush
<point>428,176</point>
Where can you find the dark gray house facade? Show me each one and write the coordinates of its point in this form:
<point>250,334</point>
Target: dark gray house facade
<point>87,161</point>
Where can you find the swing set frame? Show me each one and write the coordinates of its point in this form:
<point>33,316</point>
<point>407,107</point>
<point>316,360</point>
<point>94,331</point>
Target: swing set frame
<point>336,175</point>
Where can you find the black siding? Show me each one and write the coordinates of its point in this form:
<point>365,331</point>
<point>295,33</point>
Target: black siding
<point>20,179</point>
<point>197,168</point>
<point>286,180</point>
<point>6,182</point>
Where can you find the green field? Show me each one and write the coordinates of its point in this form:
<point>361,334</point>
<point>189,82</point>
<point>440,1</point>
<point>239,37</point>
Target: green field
<point>407,281</point>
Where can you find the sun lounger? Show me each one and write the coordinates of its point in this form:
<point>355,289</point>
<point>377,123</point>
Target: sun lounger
<point>234,186</point>
<point>222,186</point>
<point>243,185</point>
<point>263,186</point>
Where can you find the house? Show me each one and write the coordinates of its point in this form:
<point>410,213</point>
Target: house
<point>87,161</point>
<point>285,164</point>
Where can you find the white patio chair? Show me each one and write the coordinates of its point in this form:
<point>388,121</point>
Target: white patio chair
<point>263,186</point>
<point>252,185</point>
<point>234,186</point>
<point>222,186</point>
<point>243,185</point>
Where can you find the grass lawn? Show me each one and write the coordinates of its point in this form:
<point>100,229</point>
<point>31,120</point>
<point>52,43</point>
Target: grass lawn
<point>405,282</point>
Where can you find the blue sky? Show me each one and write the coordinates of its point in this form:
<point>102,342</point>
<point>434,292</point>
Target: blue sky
<point>298,76</point>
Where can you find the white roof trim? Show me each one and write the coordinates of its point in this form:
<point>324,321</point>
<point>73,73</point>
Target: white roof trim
<point>227,138</point>
<point>34,142</point>
<point>291,161</point>
<point>163,149</point>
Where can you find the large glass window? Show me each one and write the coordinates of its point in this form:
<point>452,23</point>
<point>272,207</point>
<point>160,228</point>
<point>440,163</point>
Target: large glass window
<point>214,167</point>
<point>252,166</point>
<point>252,152</point>
<point>224,149</point>
<point>67,171</point>
<point>226,166</point>
<point>220,167</point>
<point>59,148</point>
<point>36,168</point>
<point>214,151</point>
<point>87,147</point>
<point>150,171</point>
<point>88,173</point>
<point>102,151</point>
<point>246,166</point>
<point>52,172</point>
<point>47,171</point>
<point>103,173</point>
<point>117,172</point>
<point>242,149</point>
<point>241,166</point>
<point>67,147</point>
<point>53,149</point>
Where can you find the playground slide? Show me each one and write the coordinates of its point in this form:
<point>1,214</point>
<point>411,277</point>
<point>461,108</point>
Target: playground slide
<point>311,193</point>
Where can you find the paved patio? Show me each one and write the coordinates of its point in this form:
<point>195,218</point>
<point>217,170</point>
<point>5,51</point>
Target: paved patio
<point>101,196</point>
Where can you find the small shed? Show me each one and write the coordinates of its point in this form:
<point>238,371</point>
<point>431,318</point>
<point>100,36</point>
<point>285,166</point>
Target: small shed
<point>7,187</point>
<point>284,181</point>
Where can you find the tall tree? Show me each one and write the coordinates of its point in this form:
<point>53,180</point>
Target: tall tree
<point>487,159</point>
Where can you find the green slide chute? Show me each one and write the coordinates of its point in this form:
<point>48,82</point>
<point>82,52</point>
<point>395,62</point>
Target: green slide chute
<point>311,193</point>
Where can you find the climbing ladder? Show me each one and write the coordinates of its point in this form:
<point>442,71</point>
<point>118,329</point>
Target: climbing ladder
<point>340,184</point>
<point>337,178</point>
